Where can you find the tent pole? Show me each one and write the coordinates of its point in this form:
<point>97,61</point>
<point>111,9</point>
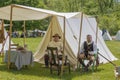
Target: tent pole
<point>51,27</point>
<point>79,43</point>
<point>10,31</point>
<point>24,39</point>
<point>96,29</point>
<point>63,46</point>
<point>2,53</point>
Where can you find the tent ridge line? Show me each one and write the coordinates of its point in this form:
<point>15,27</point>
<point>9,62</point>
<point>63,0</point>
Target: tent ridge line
<point>18,6</point>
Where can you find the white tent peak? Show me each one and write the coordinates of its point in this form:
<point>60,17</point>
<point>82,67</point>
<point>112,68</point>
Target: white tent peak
<point>117,37</point>
<point>106,36</point>
<point>72,14</point>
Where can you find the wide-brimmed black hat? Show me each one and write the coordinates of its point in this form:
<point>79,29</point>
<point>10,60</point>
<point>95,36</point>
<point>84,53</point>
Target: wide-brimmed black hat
<point>57,35</point>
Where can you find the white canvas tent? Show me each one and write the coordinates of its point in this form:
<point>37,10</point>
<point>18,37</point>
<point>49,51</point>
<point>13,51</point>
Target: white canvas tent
<point>89,26</point>
<point>71,27</point>
<point>6,45</point>
<point>117,37</point>
<point>106,36</point>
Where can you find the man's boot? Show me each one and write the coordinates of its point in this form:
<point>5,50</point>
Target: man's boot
<point>81,62</point>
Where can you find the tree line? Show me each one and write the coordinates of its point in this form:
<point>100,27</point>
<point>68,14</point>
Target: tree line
<point>107,11</point>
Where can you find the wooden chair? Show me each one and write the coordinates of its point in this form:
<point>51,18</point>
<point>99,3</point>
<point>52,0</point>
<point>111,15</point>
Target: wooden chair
<point>95,63</point>
<point>14,46</point>
<point>55,60</point>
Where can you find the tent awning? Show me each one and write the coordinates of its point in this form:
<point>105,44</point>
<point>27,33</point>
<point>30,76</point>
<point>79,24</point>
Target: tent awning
<point>21,12</point>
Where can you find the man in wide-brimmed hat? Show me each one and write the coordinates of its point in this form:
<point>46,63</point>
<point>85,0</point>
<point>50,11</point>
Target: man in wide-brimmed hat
<point>57,35</point>
<point>56,42</point>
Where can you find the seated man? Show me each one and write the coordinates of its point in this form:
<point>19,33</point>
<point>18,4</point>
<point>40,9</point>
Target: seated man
<point>88,49</point>
<point>55,43</point>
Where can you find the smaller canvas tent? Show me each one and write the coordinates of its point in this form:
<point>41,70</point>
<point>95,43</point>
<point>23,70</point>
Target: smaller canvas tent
<point>100,31</point>
<point>4,38</point>
<point>117,35</point>
<point>106,36</point>
<point>6,46</point>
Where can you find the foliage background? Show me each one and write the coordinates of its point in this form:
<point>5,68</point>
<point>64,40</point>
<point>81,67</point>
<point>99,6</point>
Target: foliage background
<point>107,11</point>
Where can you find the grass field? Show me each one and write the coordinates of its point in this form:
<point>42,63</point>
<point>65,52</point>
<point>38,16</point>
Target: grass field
<point>104,72</point>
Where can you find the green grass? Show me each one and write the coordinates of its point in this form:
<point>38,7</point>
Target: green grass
<point>32,43</point>
<point>104,72</point>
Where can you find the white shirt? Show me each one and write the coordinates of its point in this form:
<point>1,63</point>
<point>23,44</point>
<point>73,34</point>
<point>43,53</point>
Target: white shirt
<point>91,52</point>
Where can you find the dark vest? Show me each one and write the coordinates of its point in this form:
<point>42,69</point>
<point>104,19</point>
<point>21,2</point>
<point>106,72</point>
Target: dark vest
<point>88,47</point>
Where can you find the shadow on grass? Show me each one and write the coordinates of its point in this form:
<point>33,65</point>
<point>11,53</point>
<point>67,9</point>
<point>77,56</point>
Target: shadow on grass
<point>78,73</point>
<point>36,70</point>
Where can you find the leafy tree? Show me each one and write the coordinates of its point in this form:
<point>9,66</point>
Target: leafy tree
<point>108,11</point>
